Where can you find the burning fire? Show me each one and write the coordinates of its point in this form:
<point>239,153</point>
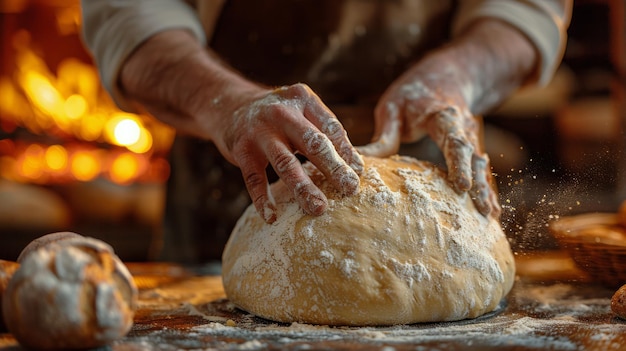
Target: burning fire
<point>74,130</point>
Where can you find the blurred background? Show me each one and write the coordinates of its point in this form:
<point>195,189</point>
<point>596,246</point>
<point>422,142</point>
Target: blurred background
<point>70,160</point>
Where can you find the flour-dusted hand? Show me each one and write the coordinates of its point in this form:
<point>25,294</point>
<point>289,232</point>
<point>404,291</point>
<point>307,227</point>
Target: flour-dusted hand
<point>441,95</point>
<point>181,83</point>
<point>272,129</point>
<point>432,98</point>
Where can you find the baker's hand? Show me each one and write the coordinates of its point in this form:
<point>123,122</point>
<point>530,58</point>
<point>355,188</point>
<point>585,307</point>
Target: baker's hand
<point>439,95</point>
<point>431,98</point>
<point>275,125</point>
<point>186,86</point>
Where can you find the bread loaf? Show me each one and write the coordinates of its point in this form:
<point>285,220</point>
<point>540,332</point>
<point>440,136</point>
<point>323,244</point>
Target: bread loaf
<point>70,292</point>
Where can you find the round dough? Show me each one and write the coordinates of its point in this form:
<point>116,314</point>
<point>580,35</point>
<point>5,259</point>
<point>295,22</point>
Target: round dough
<point>70,292</point>
<point>406,249</point>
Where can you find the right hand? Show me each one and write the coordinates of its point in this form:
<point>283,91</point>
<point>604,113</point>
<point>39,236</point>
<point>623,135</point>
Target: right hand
<point>272,128</point>
<point>182,84</point>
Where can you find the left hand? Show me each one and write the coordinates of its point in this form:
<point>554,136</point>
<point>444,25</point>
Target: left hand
<point>442,92</point>
<point>430,98</point>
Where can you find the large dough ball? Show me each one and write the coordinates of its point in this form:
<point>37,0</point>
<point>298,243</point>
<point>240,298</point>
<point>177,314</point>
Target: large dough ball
<point>71,292</point>
<point>406,249</point>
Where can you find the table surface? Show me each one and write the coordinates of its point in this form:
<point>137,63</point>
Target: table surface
<point>553,306</point>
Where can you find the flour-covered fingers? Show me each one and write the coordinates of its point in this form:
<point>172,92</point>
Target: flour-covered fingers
<point>387,132</point>
<point>327,123</point>
<point>482,193</point>
<point>446,128</point>
<point>318,149</point>
<point>287,166</point>
<point>458,154</point>
<point>253,171</point>
<point>320,138</point>
<point>481,189</point>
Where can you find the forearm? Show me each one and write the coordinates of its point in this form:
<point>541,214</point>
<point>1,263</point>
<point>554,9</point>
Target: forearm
<point>509,60</point>
<point>173,75</point>
<point>492,60</point>
<point>441,93</point>
<point>179,82</point>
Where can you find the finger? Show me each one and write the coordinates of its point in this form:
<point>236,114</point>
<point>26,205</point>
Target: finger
<point>310,198</point>
<point>326,121</point>
<point>387,138</point>
<point>445,128</point>
<point>496,209</point>
<point>254,176</point>
<point>481,189</point>
<point>318,148</point>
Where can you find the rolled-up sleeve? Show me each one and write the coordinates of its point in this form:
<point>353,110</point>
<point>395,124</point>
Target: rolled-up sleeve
<point>544,22</point>
<point>112,29</point>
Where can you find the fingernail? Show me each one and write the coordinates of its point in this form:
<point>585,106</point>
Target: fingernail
<point>316,205</point>
<point>268,212</point>
<point>349,182</point>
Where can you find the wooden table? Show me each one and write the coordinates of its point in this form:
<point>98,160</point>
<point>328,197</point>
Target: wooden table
<point>552,306</point>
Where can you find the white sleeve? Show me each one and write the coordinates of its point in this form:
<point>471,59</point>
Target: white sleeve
<point>544,22</point>
<point>112,29</point>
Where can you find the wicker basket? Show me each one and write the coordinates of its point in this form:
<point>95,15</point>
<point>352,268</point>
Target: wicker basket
<point>597,244</point>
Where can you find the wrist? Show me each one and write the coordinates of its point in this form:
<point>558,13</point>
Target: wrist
<point>501,60</point>
<point>172,72</point>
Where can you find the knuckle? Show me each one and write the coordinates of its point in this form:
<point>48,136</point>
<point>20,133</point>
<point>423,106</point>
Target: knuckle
<point>283,162</point>
<point>300,89</point>
<point>446,119</point>
<point>458,141</point>
<point>333,128</point>
<point>274,110</point>
<point>316,143</point>
<point>254,180</point>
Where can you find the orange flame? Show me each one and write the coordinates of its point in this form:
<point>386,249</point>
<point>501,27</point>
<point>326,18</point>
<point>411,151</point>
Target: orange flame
<point>72,106</point>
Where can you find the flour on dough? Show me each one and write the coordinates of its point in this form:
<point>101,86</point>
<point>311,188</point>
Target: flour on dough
<point>406,249</point>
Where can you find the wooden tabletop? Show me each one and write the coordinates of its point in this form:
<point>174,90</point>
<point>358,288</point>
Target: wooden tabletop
<point>552,306</point>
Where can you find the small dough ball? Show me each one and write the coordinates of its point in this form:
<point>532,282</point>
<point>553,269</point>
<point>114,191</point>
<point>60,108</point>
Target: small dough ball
<point>406,249</point>
<point>70,294</point>
<point>618,302</point>
<point>7,269</point>
<point>45,240</point>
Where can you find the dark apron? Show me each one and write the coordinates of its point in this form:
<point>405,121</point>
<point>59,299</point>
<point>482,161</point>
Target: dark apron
<point>348,52</point>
